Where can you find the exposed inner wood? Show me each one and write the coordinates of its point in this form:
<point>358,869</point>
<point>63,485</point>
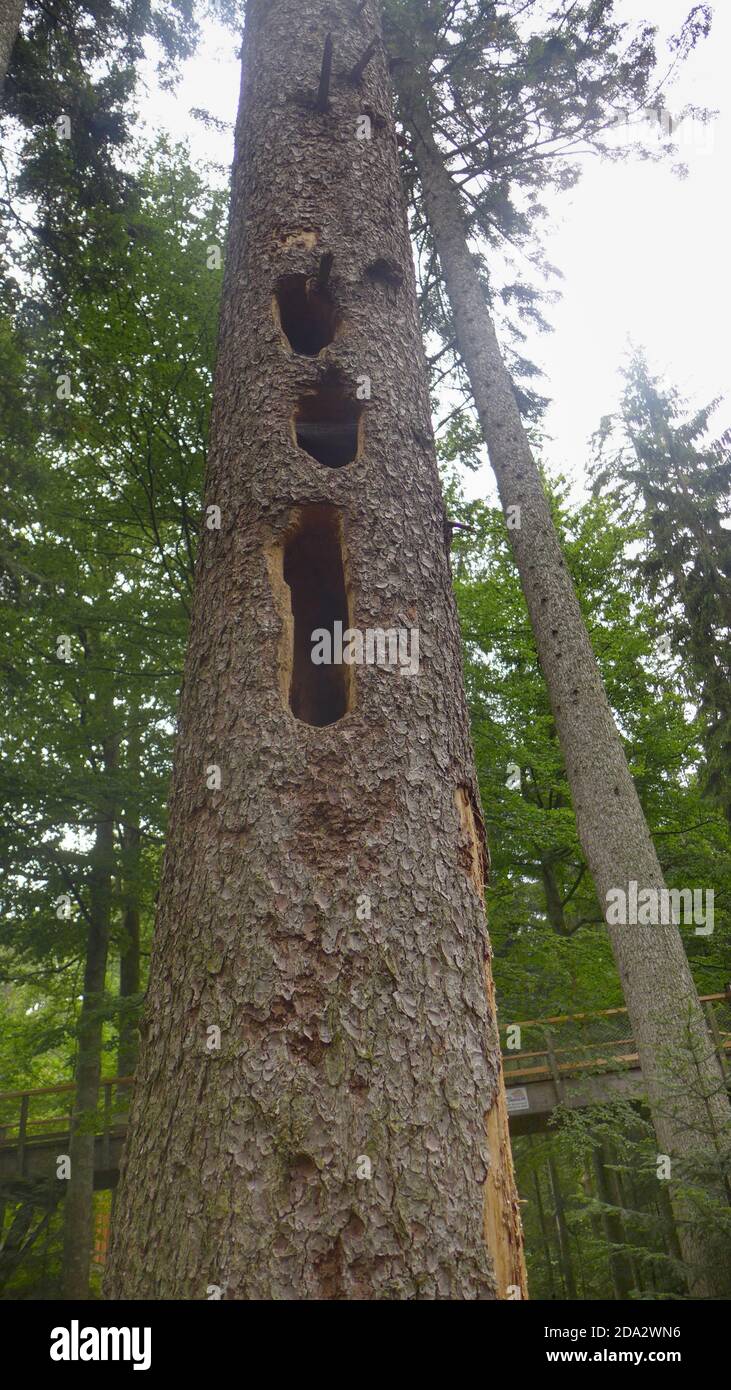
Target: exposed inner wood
<point>501,1212</point>
<point>314,572</point>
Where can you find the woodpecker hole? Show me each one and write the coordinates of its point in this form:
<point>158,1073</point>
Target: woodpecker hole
<point>305,312</point>
<point>328,425</point>
<point>386,273</point>
<point>313,568</point>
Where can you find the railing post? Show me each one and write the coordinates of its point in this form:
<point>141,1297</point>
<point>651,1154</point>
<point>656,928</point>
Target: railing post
<point>22,1131</point>
<point>556,1077</point>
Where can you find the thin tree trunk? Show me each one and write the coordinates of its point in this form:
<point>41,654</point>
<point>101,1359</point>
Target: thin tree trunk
<point>667,1217</point>
<point>689,1104</point>
<point>619,1186</point>
<point>319,1055</point>
<point>613,1229</point>
<point>21,1237</point>
<point>11,13</point>
<point>129,961</point>
<point>554,906</point>
<point>545,1237</point>
<point>129,972</point>
<point>129,958</point>
<point>79,1201</point>
<point>564,1243</point>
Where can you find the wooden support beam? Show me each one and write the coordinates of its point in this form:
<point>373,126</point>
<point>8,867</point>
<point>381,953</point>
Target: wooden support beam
<point>553,1068</point>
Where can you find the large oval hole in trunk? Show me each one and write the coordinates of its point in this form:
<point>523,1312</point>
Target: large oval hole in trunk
<point>313,568</point>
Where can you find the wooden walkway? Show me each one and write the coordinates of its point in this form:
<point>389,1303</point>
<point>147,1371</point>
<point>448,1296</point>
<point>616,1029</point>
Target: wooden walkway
<point>585,1059</point>
<point>572,1059</point>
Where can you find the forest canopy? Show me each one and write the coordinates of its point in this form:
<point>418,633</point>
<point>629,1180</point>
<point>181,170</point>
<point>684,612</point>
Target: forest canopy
<point>112,285</point>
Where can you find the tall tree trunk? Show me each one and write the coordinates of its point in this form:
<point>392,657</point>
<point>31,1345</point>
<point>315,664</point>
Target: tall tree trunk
<point>319,1057</point>
<point>554,906</point>
<point>79,1201</point>
<point>562,1230</point>
<point>545,1237</point>
<point>619,1267</point>
<point>689,1103</point>
<point>11,13</point>
<point>129,959</point>
<point>625,1200</point>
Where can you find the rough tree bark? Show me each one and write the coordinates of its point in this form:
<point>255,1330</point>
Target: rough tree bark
<point>79,1201</point>
<point>687,1096</point>
<point>11,13</point>
<point>323,907</point>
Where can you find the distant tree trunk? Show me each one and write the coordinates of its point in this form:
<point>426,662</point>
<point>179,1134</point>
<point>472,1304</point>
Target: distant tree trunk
<point>554,906</point>
<point>319,1058</point>
<point>562,1230</point>
<point>625,1198</point>
<point>129,960</point>
<point>78,1205</point>
<point>545,1237</point>
<point>11,13</point>
<point>688,1100</point>
<point>22,1235</point>
<point>619,1267</point>
<point>667,1218</point>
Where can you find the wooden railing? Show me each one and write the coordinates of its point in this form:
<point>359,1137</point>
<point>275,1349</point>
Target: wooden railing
<point>39,1130</point>
<point>570,1044</point>
<point>567,1044</point>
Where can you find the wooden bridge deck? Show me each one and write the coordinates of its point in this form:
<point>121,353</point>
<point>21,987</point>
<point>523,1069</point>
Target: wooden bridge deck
<point>567,1063</point>
<point>585,1059</point>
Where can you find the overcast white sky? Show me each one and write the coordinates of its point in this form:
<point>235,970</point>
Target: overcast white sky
<point>644,254</point>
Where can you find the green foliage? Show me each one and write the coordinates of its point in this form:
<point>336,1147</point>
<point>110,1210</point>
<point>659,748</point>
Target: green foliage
<point>552,954</point>
<point>664,475</point>
<point>111,293</point>
<point>79,62</point>
<point>621,1236</point>
<point>97,546</point>
<point>519,93</point>
<point>545,922</point>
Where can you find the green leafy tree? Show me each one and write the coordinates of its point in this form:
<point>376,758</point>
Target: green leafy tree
<point>664,473</point>
<point>95,557</point>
